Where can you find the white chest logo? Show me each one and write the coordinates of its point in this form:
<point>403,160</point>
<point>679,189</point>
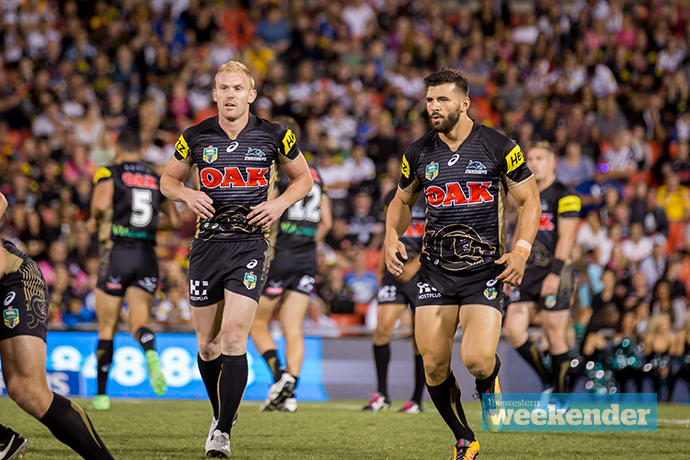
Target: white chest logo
<point>454,159</point>
<point>232,147</point>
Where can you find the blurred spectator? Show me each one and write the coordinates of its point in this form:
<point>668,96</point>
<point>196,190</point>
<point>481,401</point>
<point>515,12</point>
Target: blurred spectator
<point>638,246</point>
<point>592,192</point>
<point>654,265</point>
<point>674,199</point>
<point>364,227</point>
<point>338,297</point>
<point>361,281</point>
<point>175,310</point>
<point>317,322</point>
<point>644,209</point>
<point>663,302</point>
<point>574,168</point>
<point>77,314</point>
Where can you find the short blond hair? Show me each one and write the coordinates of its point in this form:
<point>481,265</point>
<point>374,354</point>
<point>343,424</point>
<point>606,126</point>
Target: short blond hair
<point>236,66</point>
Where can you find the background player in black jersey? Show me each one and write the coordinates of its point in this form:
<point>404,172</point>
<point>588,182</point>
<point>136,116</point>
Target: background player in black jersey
<point>548,282</point>
<point>291,280</point>
<point>126,204</point>
<point>235,153</point>
<point>23,352</point>
<point>395,294</point>
<point>464,169</point>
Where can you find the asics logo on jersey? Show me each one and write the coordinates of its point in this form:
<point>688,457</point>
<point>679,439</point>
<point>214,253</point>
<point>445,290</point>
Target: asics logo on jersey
<point>545,222</point>
<point>454,159</point>
<point>475,167</point>
<point>139,180</point>
<point>232,177</point>
<point>453,194</point>
<point>232,147</point>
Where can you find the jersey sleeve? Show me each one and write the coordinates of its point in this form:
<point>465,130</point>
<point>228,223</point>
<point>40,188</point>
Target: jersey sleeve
<point>183,148</point>
<point>409,182</point>
<point>102,174</point>
<point>287,145</point>
<point>509,157</point>
<point>569,204</point>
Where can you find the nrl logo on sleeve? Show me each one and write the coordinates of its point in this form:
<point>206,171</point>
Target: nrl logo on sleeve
<point>11,317</point>
<point>250,280</point>
<point>210,154</point>
<point>432,170</point>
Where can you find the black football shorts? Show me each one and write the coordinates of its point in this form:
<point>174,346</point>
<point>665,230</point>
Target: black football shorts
<point>24,295</point>
<point>393,291</point>
<point>126,266</point>
<point>530,289</point>
<point>290,275</point>
<point>238,266</point>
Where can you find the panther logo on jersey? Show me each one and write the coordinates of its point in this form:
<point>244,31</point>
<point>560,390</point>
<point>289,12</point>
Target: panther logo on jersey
<point>476,167</point>
<point>459,244</point>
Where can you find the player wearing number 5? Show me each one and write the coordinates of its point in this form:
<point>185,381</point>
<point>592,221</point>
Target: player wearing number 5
<point>236,154</point>
<point>125,208</point>
<point>291,280</point>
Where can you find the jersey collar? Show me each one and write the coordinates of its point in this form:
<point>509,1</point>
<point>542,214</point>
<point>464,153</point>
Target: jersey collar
<point>475,129</point>
<point>250,124</point>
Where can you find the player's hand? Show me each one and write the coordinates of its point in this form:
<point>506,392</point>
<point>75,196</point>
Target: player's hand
<point>200,203</point>
<point>393,263</point>
<point>550,285</point>
<point>409,270</point>
<point>515,268</point>
<point>264,214</point>
<point>91,225</point>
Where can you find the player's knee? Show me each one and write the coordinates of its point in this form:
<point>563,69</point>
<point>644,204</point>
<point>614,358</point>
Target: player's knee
<point>29,396</point>
<point>382,335</point>
<point>436,369</point>
<point>209,350</point>
<point>513,335</point>
<point>233,342</point>
<point>480,366</point>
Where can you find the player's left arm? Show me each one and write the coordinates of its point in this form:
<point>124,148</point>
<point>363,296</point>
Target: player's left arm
<point>170,218</point>
<point>3,208</point>
<point>264,214</point>
<point>102,197</point>
<point>326,222</point>
<point>568,220</point>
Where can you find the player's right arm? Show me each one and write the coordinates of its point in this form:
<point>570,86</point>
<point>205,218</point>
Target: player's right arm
<point>3,208</point>
<point>174,175</point>
<point>399,215</point>
<point>102,198</point>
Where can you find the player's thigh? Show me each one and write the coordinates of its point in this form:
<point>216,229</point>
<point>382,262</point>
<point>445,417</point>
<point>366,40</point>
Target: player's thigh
<point>207,323</point>
<point>435,328</point>
<point>293,311</point>
<point>108,313</point>
<point>517,320</point>
<point>24,367</point>
<point>238,316</point>
<point>386,316</point>
<point>555,325</point>
<point>481,330</point>
<point>140,303</point>
<point>264,310</point>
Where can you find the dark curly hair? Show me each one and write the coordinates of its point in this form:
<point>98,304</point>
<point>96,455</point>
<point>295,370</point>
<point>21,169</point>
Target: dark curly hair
<point>448,75</point>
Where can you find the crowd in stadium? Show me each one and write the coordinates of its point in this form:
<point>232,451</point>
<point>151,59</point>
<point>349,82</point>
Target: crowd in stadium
<point>606,83</point>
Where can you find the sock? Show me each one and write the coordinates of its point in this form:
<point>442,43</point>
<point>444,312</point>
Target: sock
<point>446,398</point>
<point>4,433</point>
<point>535,358</point>
<point>104,357</point>
<point>274,365</point>
<point>418,380</point>
<point>146,338</point>
<point>561,364</point>
<point>233,381</point>
<point>485,385</point>
<point>210,374</point>
<point>69,424</point>
<point>382,356</point>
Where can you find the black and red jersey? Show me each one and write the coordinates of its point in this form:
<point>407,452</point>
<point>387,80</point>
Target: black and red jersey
<point>465,194</point>
<point>136,202</point>
<point>236,174</point>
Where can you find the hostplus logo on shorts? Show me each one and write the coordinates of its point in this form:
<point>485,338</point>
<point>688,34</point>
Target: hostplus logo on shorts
<point>426,291</point>
<point>197,290</point>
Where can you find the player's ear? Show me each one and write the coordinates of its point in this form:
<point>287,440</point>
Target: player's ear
<point>215,99</point>
<point>252,95</point>
<point>465,104</point>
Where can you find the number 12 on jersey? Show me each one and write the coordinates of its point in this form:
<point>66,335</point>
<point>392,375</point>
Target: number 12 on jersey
<point>308,208</point>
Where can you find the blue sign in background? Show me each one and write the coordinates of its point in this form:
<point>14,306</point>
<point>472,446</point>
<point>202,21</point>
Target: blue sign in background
<point>72,364</point>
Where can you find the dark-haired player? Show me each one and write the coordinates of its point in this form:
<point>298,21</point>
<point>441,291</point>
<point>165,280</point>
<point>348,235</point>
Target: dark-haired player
<point>464,169</point>
<point>548,282</point>
<point>23,351</point>
<point>236,154</point>
<point>290,280</point>
<point>126,204</point>
<point>395,295</point>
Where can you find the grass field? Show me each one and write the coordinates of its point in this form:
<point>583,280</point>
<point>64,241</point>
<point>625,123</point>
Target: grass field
<point>172,430</point>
